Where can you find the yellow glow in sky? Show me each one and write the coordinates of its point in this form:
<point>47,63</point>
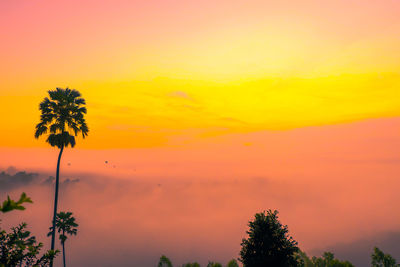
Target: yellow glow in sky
<point>152,113</point>
<point>157,75</point>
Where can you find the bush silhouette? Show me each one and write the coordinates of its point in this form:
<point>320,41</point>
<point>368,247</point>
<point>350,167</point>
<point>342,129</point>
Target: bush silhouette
<point>232,263</point>
<point>214,264</point>
<point>19,247</point>
<point>164,262</point>
<point>380,259</point>
<point>194,264</point>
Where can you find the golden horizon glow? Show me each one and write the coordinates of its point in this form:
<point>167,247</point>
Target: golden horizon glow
<point>154,75</point>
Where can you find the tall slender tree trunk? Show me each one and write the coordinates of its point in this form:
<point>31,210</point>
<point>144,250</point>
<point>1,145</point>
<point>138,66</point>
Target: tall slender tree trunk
<point>63,253</point>
<point>53,234</point>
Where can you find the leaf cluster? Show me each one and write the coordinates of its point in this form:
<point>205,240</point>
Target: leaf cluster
<point>380,259</point>
<point>327,260</point>
<point>214,264</point>
<point>62,116</point>
<point>164,262</point>
<point>232,263</point>
<point>268,243</point>
<point>193,264</point>
<point>19,247</point>
<point>65,224</point>
<point>9,204</point>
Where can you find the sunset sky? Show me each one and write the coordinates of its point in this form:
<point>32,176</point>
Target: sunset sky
<point>213,98</point>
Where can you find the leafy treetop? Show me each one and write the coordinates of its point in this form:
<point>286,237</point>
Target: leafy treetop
<point>268,243</point>
<point>62,115</point>
<point>380,259</point>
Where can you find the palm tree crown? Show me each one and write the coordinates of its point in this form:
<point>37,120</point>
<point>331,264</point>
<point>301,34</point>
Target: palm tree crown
<point>65,225</point>
<point>62,117</point>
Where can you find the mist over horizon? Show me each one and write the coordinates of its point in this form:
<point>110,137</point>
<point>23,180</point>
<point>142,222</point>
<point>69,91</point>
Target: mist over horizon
<point>200,219</point>
<point>193,203</point>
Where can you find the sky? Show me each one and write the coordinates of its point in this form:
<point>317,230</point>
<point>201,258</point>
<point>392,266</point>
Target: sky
<point>297,101</point>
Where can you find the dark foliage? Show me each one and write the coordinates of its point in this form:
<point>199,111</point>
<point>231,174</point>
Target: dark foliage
<point>380,259</point>
<point>194,264</point>
<point>164,262</point>
<point>18,247</point>
<point>9,204</point>
<point>232,263</point>
<point>214,264</point>
<point>65,225</point>
<point>268,243</point>
<point>327,260</point>
<point>62,116</point>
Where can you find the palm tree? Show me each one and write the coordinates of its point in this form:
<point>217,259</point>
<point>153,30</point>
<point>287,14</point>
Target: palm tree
<point>62,118</point>
<point>65,224</point>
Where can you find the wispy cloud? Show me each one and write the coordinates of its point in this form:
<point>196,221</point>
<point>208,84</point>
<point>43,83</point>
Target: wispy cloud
<point>180,94</point>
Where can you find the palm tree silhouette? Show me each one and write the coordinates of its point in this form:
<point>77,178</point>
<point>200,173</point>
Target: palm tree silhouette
<point>65,224</point>
<point>62,118</point>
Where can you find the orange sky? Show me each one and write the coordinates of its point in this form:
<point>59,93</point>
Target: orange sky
<point>163,73</point>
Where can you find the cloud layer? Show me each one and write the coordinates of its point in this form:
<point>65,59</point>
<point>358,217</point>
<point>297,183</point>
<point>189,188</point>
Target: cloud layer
<point>131,222</point>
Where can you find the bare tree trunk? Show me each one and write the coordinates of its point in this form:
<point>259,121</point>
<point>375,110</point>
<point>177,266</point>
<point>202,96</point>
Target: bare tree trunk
<point>53,234</point>
<point>63,252</point>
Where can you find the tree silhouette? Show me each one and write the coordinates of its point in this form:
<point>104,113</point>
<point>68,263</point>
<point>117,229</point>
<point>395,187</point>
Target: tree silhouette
<point>232,263</point>
<point>18,246</point>
<point>214,264</point>
<point>380,259</point>
<point>327,260</point>
<point>164,261</point>
<point>62,117</point>
<point>268,243</point>
<point>193,264</point>
<point>65,225</point>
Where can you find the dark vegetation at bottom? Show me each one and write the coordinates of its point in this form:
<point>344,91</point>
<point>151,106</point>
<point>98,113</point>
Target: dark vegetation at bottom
<point>268,243</point>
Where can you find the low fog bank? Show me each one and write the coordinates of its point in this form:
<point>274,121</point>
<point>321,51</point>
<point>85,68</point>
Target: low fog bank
<point>358,252</point>
<point>11,180</point>
<point>131,222</point>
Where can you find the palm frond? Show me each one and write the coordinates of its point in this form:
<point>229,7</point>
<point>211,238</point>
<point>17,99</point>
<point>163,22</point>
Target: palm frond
<point>75,94</point>
<point>82,110</point>
<point>65,224</point>
<point>80,101</point>
<point>40,129</point>
<point>62,116</point>
<point>56,127</point>
<point>71,141</point>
